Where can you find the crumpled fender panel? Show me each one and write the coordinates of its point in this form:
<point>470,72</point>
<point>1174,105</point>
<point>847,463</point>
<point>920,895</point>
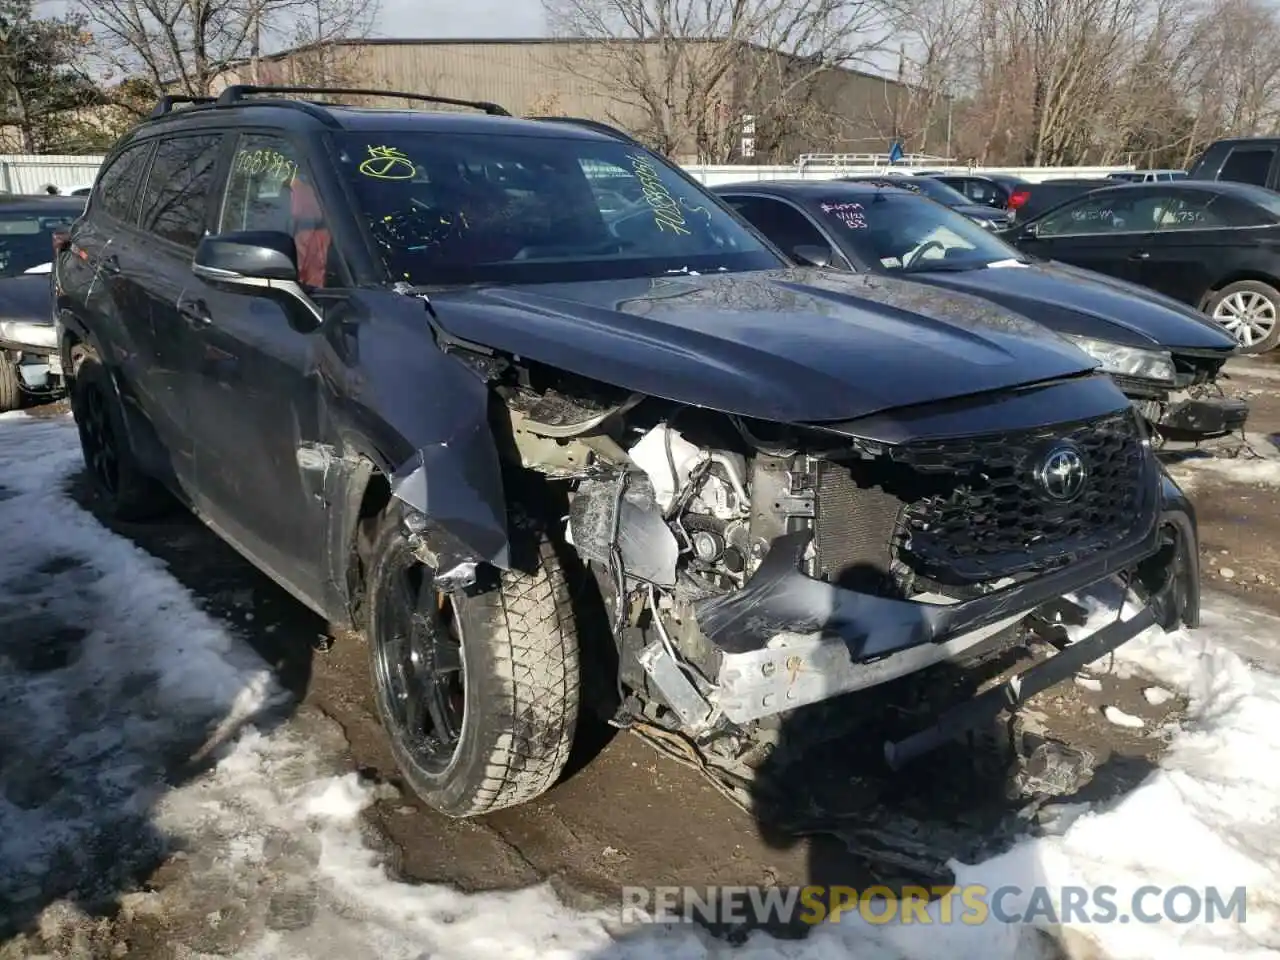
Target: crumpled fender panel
<point>422,416</point>
<point>457,485</point>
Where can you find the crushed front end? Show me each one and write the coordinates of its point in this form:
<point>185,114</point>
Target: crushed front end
<point>753,569</point>
<point>1189,406</point>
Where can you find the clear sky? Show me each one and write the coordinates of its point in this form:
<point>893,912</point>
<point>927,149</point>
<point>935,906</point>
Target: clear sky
<point>437,18</point>
<point>461,18</point>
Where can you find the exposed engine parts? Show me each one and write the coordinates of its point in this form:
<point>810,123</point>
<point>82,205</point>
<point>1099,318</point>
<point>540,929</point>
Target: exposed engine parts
<point>751,569</point>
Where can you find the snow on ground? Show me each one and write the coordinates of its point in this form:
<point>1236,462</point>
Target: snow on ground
<point>1259,467</point>
<point>111,679</point>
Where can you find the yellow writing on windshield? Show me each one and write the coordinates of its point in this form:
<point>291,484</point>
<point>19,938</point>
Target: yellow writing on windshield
<point>387,163</point>
<point>667,212</point>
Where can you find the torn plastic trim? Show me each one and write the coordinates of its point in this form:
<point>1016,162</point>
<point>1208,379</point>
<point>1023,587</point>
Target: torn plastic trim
<point>457,510</point>
<point>1203,419</point>
<point>781,600</point>
<point>986,706</point>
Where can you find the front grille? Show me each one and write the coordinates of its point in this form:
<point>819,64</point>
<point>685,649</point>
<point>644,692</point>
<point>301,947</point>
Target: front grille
<point>971,511</point>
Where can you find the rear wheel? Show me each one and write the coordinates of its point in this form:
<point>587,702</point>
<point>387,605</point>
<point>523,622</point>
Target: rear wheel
<point>478,692</point>
<point>10,386</point>
<point>119,483</point>
<point>1249,310</point>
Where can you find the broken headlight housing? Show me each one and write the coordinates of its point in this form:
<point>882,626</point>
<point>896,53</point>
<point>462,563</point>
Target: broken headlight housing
<point>1124,361</point>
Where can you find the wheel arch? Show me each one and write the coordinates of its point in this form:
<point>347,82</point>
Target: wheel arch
<point>1237,276</point>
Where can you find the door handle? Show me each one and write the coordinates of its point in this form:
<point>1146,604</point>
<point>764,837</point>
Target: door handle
<point>1140,255</point>
<point>195,311</point>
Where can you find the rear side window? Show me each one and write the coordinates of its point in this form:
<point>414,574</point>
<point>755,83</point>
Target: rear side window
<point>981,191</point>
<point>182,182</point>
<point>1233,212</point>
<point>1248,165</point>
<point>120,184</point>
<point>780,222</point>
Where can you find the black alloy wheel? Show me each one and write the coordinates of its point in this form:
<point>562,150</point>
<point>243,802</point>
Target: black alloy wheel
<point>419,663</point>
<point>99,441</point>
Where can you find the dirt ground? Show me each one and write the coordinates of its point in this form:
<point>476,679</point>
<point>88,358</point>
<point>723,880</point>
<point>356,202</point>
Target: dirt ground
<point>627,815</point>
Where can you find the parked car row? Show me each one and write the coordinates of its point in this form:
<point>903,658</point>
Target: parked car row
<point>1206,236</point>
<point>558,430</point>
<point>1157,350</point>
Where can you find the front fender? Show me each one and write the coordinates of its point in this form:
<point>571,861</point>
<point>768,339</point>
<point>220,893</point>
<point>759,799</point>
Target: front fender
<point>419,416</point>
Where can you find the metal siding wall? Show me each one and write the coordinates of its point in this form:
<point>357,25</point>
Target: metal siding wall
<point>31,174</point>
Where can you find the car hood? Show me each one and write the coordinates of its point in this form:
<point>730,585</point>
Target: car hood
<point>1075,301</point>
<point>789,346</point>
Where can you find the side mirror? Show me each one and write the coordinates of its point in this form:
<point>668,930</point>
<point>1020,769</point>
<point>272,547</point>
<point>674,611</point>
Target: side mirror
<point>814,254</point>
<point>256,262</point>
<point>1029,231</point>
<point>249,259</point>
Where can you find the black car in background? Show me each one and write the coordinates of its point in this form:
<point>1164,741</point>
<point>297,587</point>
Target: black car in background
<point>1159,352</point>
<point>28,226</point>
<point>1001,190</point>
<point>936,190</point>
<point>1212,245</point>
<point>1254,160</point>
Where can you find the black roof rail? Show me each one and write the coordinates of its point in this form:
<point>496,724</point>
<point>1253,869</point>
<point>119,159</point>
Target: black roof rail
<point>167,104</point>
<point>237,92</point>
<point>595,125</point>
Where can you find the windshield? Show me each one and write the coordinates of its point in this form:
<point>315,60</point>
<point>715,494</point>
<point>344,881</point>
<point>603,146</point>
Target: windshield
<point>898,231</point>
<point>26,240</point>
<point>446,209</point>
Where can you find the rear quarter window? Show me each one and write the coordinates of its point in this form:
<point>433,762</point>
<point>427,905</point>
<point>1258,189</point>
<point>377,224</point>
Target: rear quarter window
<point>119,185</point>
<point>1248,165</point>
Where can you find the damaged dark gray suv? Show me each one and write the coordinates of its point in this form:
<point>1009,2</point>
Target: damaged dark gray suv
<point>474,384</point>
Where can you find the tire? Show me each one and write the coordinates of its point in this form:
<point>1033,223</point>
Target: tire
<point>121,487</point>
<point>1250,311</point>
<point>518,648</point>
<point>10,386</point>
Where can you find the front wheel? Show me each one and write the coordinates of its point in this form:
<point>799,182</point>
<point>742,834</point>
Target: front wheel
<point>1249,311</point>
<point>478,692</point>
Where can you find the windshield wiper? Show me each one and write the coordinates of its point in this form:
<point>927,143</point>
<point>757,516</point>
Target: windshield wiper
<point>943,267</point>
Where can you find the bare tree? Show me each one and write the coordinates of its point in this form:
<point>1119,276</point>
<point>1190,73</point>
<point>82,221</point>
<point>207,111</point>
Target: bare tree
<point>685,73</point>
<point>316,24</point>
<point>935,61</point>
<point>186,46</point>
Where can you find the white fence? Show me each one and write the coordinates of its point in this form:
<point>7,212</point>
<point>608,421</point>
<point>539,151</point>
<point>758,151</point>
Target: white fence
<point>32,174</point>
<point>21,173</point>
<point>715,175</point>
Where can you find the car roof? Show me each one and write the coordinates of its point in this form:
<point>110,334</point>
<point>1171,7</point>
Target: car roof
<point>298,115</point>
<point>809,188</point>
<point>34,202</point>
<point>1245,191</point>
<point>982,175</point>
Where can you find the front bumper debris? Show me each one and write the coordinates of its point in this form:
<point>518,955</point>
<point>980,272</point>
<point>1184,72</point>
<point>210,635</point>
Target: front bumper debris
<point>1196,420</point>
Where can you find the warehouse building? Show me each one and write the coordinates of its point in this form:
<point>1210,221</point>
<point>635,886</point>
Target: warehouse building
<point>745,117</point>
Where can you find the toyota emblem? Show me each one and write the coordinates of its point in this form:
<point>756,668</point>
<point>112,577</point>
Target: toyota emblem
<point>1062,473</point>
